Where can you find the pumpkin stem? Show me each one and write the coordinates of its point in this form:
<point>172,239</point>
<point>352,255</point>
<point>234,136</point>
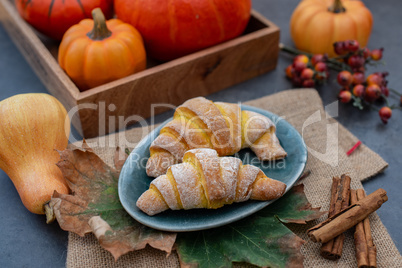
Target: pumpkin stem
<point>100,30</point>
<point>337,7</point>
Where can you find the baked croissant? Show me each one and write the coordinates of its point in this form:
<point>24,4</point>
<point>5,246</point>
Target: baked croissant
<point>205,180</point>
<point>201,123</point>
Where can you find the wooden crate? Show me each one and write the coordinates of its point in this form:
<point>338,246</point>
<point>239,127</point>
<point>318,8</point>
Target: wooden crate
<point>99,110</point>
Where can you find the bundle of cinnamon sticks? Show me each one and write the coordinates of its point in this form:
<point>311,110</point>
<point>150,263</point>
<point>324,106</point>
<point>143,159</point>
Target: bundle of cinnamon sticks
<point>343,216</point>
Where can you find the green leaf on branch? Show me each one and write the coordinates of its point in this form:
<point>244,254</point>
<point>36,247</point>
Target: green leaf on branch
<point>261,239</point>
<point>94,205</point>
<point>357,102</point>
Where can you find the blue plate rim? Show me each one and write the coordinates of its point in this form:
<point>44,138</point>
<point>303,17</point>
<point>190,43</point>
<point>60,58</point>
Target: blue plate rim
<point>258,206</point>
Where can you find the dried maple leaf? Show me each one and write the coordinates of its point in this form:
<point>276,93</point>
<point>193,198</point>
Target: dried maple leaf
<point>94,205</point>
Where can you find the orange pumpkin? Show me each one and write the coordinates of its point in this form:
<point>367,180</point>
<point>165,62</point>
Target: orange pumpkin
<point>54,17</point>
<point>95,52</point>
<point>175,28</point>
<point>317,24</point>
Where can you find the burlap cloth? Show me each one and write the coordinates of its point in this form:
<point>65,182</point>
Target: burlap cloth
<point>298,107</point>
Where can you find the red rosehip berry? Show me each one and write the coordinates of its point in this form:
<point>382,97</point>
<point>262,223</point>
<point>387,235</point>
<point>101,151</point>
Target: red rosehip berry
<point>316,58</point>
<point>296,81</point>
<point>358,78</point>
<point>359,70</point>
<point>299,66</point>
<point>320,67</point>
<point>376,54</point>
<point>384,91</point>
<point>383,74</point>
<point>373,92</point>
<point>351,45</point>
<point>344,78</point>
<point>339,48</point>
<point>302,58</point>
<point>385,114</point>
<point>358,90</point>
<point>366,52</point>
<point>375,78</point>
<point>289,71</point>
<point>307,74</point>
<point>321,71</point>
<point>356,61</point>
<point>308,83</point>
<point>345,96</point>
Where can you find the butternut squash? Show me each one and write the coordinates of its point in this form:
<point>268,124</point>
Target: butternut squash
<point>32,127</point>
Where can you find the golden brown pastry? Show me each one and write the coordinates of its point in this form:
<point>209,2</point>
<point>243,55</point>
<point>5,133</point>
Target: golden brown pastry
<point>205,180</point>
<point>201,123</point>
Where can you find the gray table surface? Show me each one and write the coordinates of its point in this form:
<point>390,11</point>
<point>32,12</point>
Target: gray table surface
<point>27,241</point>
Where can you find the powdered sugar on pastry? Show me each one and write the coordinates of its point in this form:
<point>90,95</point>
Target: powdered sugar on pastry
<point>200,123</point>
<point>247,176</point>
<point>157,164</point>
<point>265,188</point>
<point>232,114</point>
<point>166,189</point>
<point>212,117</point>
<point>189,187</point>
<point>170,144</point>
<point>152,202</point>
<point>229,171</point>
<point>205,180</point>
<point>210,165</point>
<point>254,126</point>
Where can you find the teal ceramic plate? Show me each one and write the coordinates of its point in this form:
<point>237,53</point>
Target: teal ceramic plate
<point>134,181</point>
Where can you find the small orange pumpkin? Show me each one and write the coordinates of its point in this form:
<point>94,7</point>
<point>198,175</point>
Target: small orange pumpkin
<point>316,24</point>
<point>95,52</point>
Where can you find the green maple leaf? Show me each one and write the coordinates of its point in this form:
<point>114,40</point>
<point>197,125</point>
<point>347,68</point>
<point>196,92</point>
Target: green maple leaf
<point>260,239</point>
<point>94,205</point>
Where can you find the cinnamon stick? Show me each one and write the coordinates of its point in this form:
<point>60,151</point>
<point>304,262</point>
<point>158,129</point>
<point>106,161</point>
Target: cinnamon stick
<point>360,238</point>
<point>340,193</point>
<point>347,218</point>
<point>366,252</point>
